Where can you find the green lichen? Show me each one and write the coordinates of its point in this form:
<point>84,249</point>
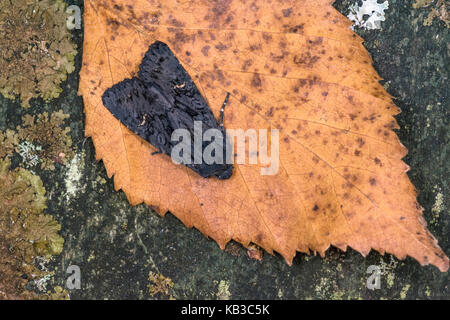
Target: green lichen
<point>26,232</point>
<point>390,278</point>
<point>438,204</point>
<point>44,141</point>
<point>388,270</point>
<point>37,49</point>
<point>427,291</point>
<point>329,283</point>
<point>328,289</point>
<point>404,291</point>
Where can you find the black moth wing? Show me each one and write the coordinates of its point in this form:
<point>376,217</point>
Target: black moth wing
<point>161,66</point>
<point>163,99</point>
<point>143,109</point>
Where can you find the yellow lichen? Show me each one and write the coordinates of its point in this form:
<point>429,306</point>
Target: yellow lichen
<point>223,291</point>
<point>37,49</point>
<point>26,233</point>
<point>439,10</point>
<point>8,141</point>
<point>422,3</point>
<point>438,203</point>
<point>58,294</point>
<point>404,291</point>
<point>388,270</point>
<point>160,285</point>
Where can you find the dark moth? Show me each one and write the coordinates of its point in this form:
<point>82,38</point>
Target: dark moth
<point>162,99</point>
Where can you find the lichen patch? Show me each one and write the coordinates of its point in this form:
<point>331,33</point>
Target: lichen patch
<point>73,176</point>
<point>37,49</point>
<point>369,15</point>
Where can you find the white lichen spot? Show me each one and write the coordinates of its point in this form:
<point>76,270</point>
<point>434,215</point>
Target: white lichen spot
<point>41,262</point>
<point>369,15</point>
<point>223,292</point>
<point>29,153</point>
<point>73,176</point>
<point>112,234</point>
<point>280,294</point>
<point>41,283</point>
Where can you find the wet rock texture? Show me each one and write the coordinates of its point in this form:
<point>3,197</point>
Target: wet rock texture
<point>116,246</point>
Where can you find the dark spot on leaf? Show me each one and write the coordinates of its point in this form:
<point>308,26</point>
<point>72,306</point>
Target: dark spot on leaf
<point>269,112</point>
<point>256,80</point>
<point>316,42</point>
<point>205,50</point>
<point>221,47</point>
<point>117,7</point>
<point>390,125</point>
<point>176,23</point>
<point>297,29</point>
<point>378,161</point>
<point>247,64</point>
<point>306,59</point>
<point>360,141</point>
<point>286,12</point>
<point>267,37</point>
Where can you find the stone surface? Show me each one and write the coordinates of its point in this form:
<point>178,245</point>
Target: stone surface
<point>116,245</point>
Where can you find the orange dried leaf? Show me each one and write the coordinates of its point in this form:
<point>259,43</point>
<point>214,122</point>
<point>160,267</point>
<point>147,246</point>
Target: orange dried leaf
<point>291,65</point>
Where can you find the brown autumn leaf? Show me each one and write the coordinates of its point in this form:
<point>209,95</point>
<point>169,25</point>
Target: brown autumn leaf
<point>291,65</point>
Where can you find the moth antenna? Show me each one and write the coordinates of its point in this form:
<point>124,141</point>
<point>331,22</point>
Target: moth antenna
<point>223,108</point>
<point>156,152</point>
